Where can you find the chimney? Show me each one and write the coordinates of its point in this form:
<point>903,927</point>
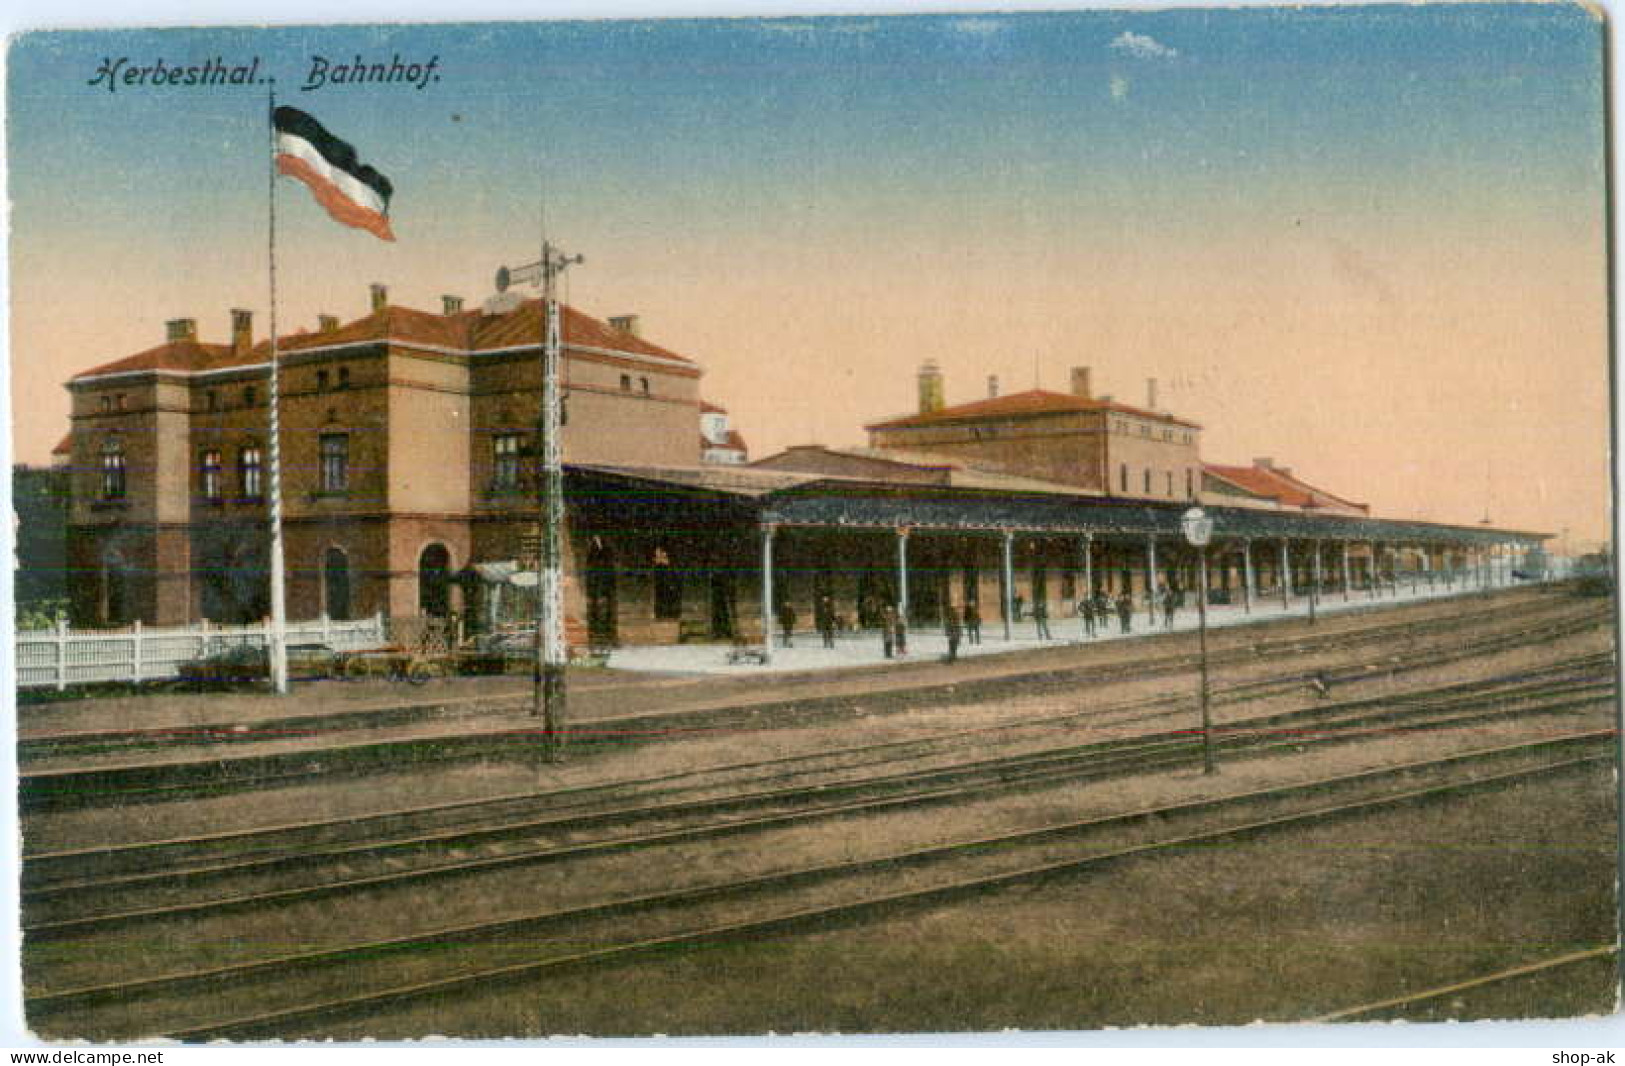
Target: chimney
<point>327,323</point>
<point>626,324</point>
<point>1150,394</point>
<point>993,386</point>
<point>451,305</point>
<point>380,296</point>
<point>1080,381</point>
<point>930,387</point>
<point>181,329</point>
<point>242,330</point>
<point>1264,464</point>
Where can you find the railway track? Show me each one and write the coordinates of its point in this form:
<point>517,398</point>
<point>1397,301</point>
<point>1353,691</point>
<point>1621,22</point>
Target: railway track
<point>33,748</point>
<point>1399,1004</point>
<point>121,784</point>
<point>128,866</point>
<point>304,867</point>
<point>295,993</point>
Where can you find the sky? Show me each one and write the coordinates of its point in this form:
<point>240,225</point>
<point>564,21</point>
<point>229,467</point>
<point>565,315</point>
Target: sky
<point>1368,242</point>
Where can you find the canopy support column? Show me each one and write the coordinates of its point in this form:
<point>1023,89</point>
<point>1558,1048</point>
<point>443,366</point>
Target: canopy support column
<point>902,575</point>
<point>1008,585</point>
<point>767,593</point>
<point>1151,578</point>
<point>1249,587</point>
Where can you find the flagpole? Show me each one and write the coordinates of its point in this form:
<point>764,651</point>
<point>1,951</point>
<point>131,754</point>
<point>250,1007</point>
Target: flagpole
<point>278,634</point>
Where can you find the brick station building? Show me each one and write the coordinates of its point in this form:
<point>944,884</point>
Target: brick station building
<point>409,489</point>
<point>406,455</point>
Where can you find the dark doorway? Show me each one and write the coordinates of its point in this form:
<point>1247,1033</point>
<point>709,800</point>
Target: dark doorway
<point>336,584</point>
<point>434,581</point>
<point>115,591</point>
<point>601,611</point>
<point>722,603</point>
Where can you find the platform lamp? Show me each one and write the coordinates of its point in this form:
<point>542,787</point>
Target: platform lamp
<point>1198,529</point>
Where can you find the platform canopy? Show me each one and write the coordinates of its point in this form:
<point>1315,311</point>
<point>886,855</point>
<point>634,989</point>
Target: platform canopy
<point>821,501</point>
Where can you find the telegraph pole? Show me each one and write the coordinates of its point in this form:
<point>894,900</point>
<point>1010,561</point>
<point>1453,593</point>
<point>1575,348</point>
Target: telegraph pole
<point>549,693</point>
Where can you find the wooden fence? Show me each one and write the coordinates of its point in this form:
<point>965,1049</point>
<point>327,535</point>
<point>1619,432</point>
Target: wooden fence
<point>59,657</point>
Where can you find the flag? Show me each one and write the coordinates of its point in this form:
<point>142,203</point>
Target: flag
<point>354,194</point>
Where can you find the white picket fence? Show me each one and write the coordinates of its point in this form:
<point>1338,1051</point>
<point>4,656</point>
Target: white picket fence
<point>59,657</point>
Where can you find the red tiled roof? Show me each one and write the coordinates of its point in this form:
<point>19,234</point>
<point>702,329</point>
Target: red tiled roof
<point>1017,404</point>
<point>185,356</point>
<point>1277,485</point>
<point>64,446</point>
<point>523,325</point>
<point>392,323</point>
<point>466,331</point>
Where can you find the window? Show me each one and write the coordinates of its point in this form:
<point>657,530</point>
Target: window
<point>335,462</point>
<point>107,404</point>
<point>1069,585</point>
<point>321,381</point>
<point>344,377</point>
<point>1190,484</point>
<point>644,384</point>
<point>209,468</point>
<point>626,382</point>
<point>112,469</point>
<point>250,396</point>
<point>1148,481</point>
<point>250,468</point>
<point>211,400</point>
<point>118,401</point>
<point>505,461</point>
<point>1122,478</point>
<point>1170,482</point>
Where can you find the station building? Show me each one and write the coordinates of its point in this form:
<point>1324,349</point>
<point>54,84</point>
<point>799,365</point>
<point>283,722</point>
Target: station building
<point>409,489</point>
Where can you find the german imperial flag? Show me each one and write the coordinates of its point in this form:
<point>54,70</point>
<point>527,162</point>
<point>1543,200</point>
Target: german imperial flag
<point>353,193</point>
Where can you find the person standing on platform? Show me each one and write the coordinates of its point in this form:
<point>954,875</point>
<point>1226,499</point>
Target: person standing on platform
<point>1125,611</point>
<point>973,623</point>
<point>787,621</point>
<point>888,629</point>
<point>1086,615</point>
<point>901,638</point>
<point>950,629</point>
<point>1041,619</point>
<point>826,620</point>
<point>1170,605</point>
<point>1016,604</point>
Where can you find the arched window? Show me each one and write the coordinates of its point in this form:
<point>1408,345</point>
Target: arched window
<point>209,474</point>
<point>434,581</point>
<point>251,472</point>
<point>626,382</point>
<point>113,481</point>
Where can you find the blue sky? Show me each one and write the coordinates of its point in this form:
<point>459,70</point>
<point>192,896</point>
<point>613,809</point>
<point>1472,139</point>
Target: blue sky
<point>1316,202</point>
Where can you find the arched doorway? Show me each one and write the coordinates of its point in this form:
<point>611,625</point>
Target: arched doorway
<point>336,584</point>
<point>434,581</point>
<point>602,628</point>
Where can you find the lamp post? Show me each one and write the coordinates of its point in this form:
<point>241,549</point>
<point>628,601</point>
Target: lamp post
<point>1198,528</point>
